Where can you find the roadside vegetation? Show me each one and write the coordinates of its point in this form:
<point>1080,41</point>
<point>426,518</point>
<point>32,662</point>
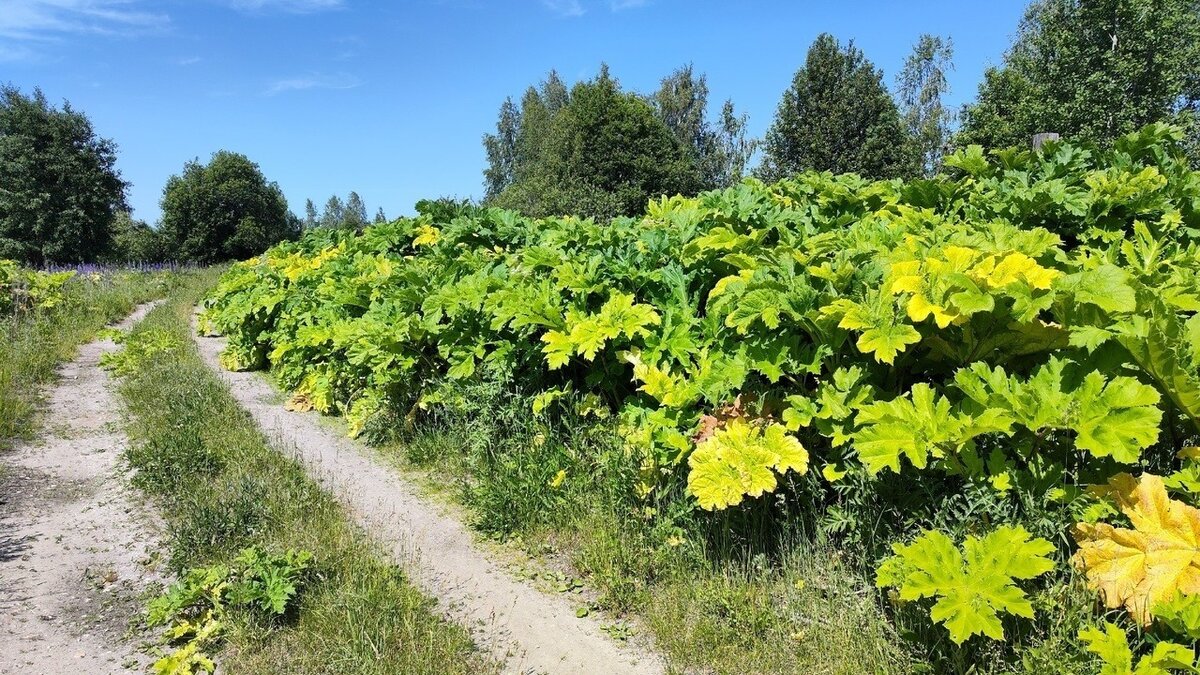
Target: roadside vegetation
<point>733,594</point>
<point>44,317</point>
<point>905,395</point>
<point>232,504</point>
<point>825,385</point>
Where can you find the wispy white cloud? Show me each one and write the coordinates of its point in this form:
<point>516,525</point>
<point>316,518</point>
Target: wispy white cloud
<point>564,7</point>
<point>13,53</point>
<point>188,61</point>
<point>28,26</point>
<point>46,20</point>
<point>571,8</point>
<point>313,81</point>
<point>293,6</point>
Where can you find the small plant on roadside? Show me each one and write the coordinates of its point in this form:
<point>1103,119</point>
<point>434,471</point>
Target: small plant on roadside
<point>116,335</point>
<point>194,608</point>
<point>618,630</point>
<point>137,349</point>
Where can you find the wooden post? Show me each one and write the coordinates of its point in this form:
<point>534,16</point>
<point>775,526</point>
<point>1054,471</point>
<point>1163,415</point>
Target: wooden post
<point>1039,139</point>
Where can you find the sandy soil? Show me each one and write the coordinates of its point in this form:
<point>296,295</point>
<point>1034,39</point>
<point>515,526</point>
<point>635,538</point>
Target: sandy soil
<point>527,629</point>
<point>75,542</point>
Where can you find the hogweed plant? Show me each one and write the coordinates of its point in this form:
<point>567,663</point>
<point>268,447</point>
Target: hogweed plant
<point>980,364</point>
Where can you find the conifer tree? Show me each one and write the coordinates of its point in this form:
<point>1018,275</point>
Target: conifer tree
<point>310,215</point>
<point>837,116</point>
<point>354,215</point>
<point>334,213</point>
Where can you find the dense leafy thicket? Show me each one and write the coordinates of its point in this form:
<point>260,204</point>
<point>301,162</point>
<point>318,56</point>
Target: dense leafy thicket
<point>23,289</point>
<point>970,370</point>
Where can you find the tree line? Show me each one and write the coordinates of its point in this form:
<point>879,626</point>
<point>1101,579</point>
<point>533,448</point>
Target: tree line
<point>62,199</point>
<point>350,214</point>
<point>595,150</point>
<point>1090,70</point>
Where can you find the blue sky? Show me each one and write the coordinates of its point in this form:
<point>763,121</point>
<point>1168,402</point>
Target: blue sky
<point>391,98</point>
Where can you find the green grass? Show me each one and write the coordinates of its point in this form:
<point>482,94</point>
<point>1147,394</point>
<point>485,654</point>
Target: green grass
<point>752,590</point>
<point>222,487</point>
<point>33,344</point>
<point>801,609</point>
<point>718,596</point>
<point>804,615</point>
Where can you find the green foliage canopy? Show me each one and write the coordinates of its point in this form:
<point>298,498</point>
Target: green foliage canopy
<point>224,210</point>
<point>59,186</point>
<point>602,152</point>
<point>1092,70</point>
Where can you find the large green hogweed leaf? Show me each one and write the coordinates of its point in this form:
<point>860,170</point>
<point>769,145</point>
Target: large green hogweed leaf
<point>974,586</point>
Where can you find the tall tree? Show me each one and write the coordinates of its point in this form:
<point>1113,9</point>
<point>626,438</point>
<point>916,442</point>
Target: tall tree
<point>310,215</point>
<point>60,190</point>
<point>501,150</point>
<point>682,102</point>
<point>534,130</point>
<point>921,87</point>
<point>605,153</point>
<point>380,217</point>
<point>718,151</point>
<point>334,213</point>
<point>837,116</point>
<point>736,147</point>
<point>1091,70</point>
<point>224,210</point>
<point>521,133</point>
<point>354,216</point>
<point>555,95</point>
